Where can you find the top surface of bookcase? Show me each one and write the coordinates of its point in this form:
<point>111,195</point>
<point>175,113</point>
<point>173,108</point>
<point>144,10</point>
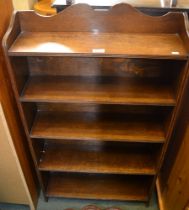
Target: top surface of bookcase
<point>79,30</point>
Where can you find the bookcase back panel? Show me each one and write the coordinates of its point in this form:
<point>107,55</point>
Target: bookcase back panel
<point>123,67</point>
<point>98,108</point>
<point>20,72</point>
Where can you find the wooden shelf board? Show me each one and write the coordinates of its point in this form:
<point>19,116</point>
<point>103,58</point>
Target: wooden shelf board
<point>97,159</point>
<point>98,126</point>
<point>95,44</point>
<point>102,187</point>
<point>105,90</point>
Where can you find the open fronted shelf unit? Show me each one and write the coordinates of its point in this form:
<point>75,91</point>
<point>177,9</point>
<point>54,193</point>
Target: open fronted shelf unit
<point>99,96</point>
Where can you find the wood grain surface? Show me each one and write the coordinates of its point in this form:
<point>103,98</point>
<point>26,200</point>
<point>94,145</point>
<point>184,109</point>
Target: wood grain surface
<point>102,187</point>
<point>98,44</point>
<point>94,126</point>
<point>102,157</point>
<point>104,90</point>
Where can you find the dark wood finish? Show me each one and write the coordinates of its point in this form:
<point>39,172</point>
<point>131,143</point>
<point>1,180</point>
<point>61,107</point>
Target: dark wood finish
<point>107,90</point>
<point>163,69</point>
<point>99,44</point>
<point>99,33</point>
<point>70,89</point>
<point>101,21</point>
<point>182,89</point>
<point>173,183</point>
<point>29,110</point>
<point>10,110</point>
<point>99,157</point>
<point>8,39</point>
<point>102,126</point>
<point>103,187</point>
<point>98,109</point>
<point>22,74</point>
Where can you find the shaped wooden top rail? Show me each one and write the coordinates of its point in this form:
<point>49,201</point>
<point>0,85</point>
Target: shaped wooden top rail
<point>121,18</point>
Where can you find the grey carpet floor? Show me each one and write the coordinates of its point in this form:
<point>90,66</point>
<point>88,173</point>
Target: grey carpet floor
<point>76,204</point>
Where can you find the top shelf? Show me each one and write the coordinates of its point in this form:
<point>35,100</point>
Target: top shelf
<point>98,44</point>
<point>79,30</point>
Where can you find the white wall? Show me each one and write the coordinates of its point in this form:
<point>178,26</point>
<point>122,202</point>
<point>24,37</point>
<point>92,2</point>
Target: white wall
<point>12,188</point>
<point>23,4</point>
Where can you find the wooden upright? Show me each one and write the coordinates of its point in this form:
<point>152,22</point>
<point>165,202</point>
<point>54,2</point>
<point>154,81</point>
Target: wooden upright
<point>17,171</point>
<point>99,94</point>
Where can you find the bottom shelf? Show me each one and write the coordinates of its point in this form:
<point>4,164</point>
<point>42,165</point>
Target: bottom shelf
<point>99,186</point>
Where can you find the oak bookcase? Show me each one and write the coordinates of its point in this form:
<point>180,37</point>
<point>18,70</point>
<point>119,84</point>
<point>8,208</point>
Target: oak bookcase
<point>99,93</point>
